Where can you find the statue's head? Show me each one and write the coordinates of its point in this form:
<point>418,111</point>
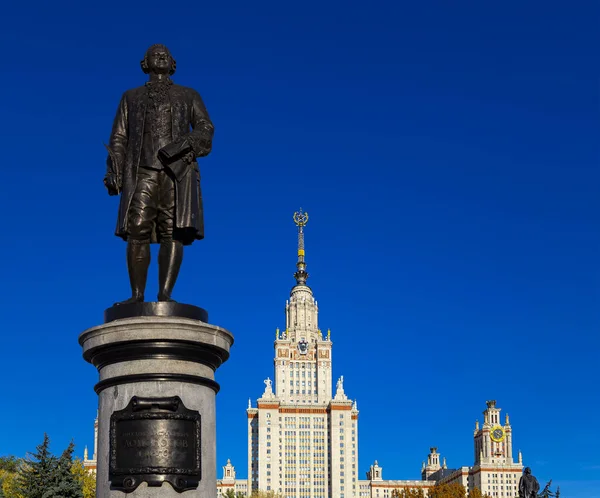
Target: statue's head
<point>158,60</point>
<point>527,470</point>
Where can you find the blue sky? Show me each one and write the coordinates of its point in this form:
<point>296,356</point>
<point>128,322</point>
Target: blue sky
<point>447,155</point>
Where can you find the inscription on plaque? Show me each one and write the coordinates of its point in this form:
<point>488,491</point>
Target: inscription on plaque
<point>155,440</point>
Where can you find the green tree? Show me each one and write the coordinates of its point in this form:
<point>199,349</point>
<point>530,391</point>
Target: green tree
<point>42,475</point>
<point>9,463</point>
<point>63,483</point>
<point>87,480</point>
<point>36,471</point>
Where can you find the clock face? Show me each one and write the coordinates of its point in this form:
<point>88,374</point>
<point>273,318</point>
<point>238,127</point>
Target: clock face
<point>497,434</point>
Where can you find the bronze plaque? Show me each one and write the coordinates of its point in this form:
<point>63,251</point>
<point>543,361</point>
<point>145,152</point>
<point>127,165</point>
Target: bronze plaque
<point>155,440</point>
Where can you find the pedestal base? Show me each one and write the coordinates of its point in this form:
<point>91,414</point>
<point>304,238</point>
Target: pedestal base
<point>170,309</point>
<point>156,357</point>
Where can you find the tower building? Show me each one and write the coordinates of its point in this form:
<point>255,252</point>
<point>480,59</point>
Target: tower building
<point>303,436</point>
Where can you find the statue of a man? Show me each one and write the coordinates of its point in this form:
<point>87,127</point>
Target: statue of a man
<point>528,485</point>
<point>158,133</point>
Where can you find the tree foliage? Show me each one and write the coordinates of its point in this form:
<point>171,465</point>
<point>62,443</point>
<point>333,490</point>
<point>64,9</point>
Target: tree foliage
<point>63,483</point>
<point>86,479</point>
<point>408,493</point>
<point>453,490</point>
<point>36,471</point>
<point>476,493</point>
<point>9,463</point>
<point>8,488</point>
<point>41,475</point>
<point>264,494</point>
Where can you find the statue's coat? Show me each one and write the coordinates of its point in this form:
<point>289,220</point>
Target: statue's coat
<point>190,121</point>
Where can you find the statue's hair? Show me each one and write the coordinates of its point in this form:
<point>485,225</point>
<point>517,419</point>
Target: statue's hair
<point>144,61</point>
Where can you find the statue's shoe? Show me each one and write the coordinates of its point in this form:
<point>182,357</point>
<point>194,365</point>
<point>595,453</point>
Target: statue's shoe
<point>165,299</point>
<point>131,300</point>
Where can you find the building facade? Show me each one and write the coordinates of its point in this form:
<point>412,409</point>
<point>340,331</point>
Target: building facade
<point>303,436</point>
<point>494,471</point>
<point>303,433</point>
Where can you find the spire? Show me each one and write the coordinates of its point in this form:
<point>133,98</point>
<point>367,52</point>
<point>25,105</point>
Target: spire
<point>301,219</point>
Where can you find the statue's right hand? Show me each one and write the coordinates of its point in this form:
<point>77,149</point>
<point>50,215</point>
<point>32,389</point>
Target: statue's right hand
<point>111,183</point>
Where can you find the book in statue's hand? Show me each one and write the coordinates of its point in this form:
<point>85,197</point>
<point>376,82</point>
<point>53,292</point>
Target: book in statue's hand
<point>174,158</point>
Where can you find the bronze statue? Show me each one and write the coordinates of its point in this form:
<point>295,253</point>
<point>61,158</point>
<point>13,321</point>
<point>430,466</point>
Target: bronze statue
<point>158,133</point>
<point>528,485</point>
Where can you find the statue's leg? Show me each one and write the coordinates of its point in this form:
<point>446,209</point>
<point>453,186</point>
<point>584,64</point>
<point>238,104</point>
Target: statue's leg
<point>170,254</point>
<point>138,261</point>
<point>142,212</point>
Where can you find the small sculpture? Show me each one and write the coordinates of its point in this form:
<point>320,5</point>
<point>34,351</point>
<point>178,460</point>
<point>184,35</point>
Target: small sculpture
<point>268,384</point>
<point>546,492</point>
<point>528,485</point>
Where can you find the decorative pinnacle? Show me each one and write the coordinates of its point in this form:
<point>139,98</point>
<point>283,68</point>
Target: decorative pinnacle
<point>301,219</point>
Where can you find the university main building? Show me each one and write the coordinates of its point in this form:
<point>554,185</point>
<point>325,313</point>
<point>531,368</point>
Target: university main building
<point>303,434</point>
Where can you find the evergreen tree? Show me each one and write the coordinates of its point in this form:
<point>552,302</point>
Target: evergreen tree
<point>63,483</point>
<point>36,471</point>
<point>42,475</point>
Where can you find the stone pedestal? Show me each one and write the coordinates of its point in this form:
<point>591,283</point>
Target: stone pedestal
<point>157,357</point>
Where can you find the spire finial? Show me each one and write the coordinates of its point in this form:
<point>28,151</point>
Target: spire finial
<point>301,219</point>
